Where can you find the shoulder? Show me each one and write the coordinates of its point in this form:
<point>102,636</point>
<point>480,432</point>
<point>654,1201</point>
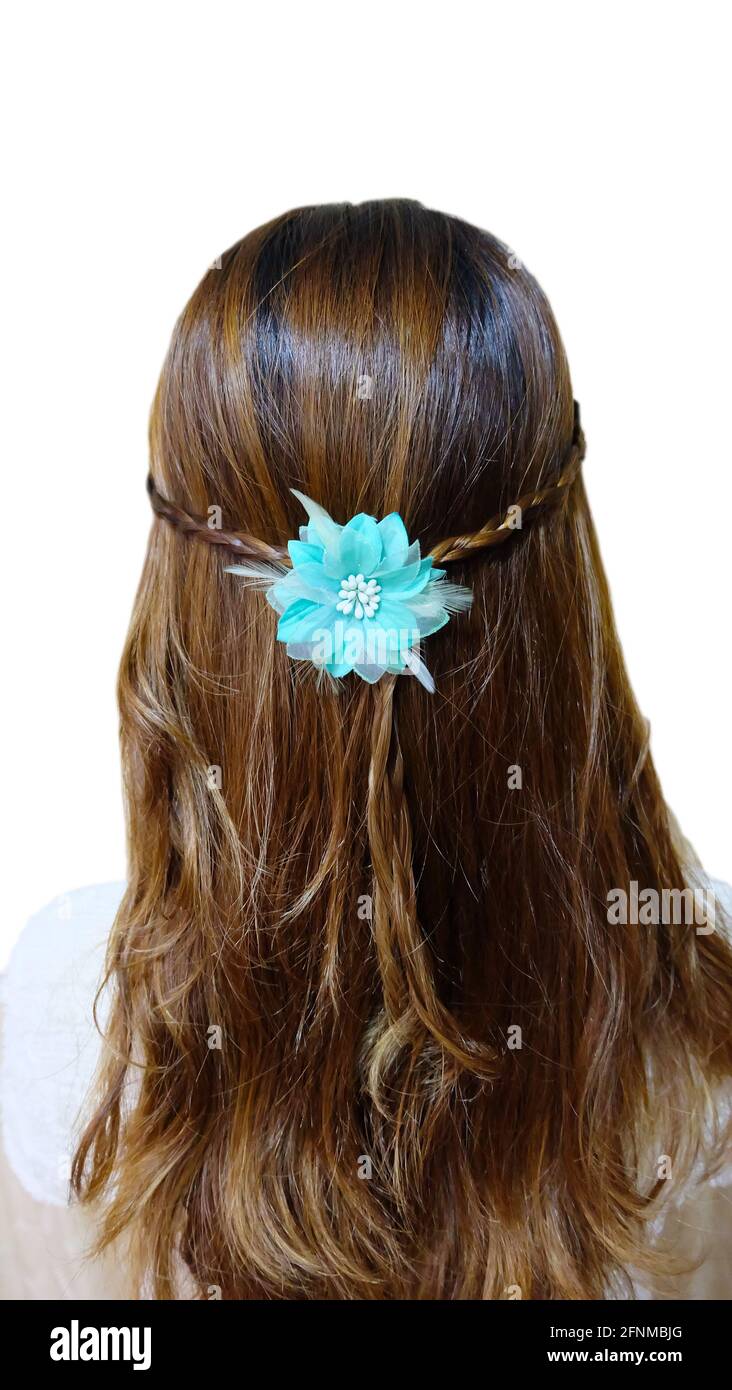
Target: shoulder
<point>50,1043</point>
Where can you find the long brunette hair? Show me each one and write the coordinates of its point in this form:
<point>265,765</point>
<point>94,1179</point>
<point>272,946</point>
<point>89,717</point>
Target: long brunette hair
<point>372,1033</point>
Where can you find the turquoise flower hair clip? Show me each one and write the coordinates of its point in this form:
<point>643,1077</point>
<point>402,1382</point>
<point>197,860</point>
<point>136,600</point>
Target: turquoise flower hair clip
<point>358,597</point>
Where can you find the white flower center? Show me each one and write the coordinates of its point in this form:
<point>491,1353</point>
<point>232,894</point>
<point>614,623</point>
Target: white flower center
<point>359,596</point>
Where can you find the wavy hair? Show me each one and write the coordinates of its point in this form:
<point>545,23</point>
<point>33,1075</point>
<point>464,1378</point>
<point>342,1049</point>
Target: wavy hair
<point>372,1034</point>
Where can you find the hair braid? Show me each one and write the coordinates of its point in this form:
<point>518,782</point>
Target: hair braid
<point>494,532</point>
<point>199,528</point>
<point>501,527</point>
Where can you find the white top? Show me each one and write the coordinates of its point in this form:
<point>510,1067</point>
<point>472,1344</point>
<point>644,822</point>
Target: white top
<point>50,1043</point>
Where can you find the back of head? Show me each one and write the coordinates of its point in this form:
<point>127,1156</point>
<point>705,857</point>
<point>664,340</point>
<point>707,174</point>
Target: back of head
<point>385,1042</point>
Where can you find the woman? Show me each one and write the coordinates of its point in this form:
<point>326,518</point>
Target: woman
<point>372,1029</point>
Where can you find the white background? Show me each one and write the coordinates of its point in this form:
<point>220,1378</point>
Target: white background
<point>140,140</point>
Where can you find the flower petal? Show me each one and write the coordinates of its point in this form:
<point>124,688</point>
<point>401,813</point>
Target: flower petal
<point>307,581</point>
<point>360,546</point>
<point>308,651</point>
<point>395,626</point>
<point>304,621</point>
<point>394,538</point>
<point>372,674</point>
<point>427,623</point>
<point>302,552</point>
<point>390,565</point>
<point>310,574</point>
<point>402,584</point>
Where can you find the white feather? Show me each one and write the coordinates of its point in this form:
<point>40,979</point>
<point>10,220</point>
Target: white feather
<point>259,573</point>
<point>326,528</point>
<point>418,669</point>
<point>455,598</point>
